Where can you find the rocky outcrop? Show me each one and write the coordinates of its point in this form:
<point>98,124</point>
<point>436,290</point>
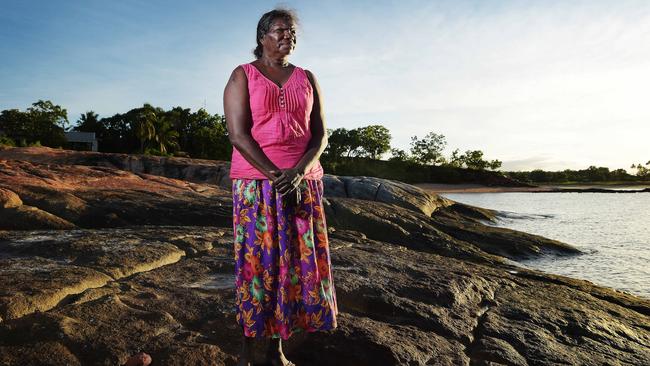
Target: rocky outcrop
<point>397,306</point>
<point>191,170</point>
<point>62,197</point>
<point>455,230</point>
<point>383,190</point>
<point>145,264</point>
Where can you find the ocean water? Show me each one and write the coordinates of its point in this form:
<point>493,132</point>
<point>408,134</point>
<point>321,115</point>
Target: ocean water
<point>613,229</point>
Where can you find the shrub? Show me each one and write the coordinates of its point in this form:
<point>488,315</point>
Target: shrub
<point>7,141</point>
<point>156,152</point>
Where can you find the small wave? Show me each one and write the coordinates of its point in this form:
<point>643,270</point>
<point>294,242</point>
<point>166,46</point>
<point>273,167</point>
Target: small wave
<point>522,216</point>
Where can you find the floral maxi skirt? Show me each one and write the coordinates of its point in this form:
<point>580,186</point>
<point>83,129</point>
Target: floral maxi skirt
<point>282,260</point>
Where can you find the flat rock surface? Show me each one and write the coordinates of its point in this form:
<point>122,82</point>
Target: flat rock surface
<point>397,306</point>
<point>139,262</point>
<point>70,196</point>
<point>191,170</point>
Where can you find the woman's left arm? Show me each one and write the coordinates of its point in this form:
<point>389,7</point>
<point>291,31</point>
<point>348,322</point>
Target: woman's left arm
<point>290,178</point>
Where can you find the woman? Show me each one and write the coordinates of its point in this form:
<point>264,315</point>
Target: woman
<point>276,126</point>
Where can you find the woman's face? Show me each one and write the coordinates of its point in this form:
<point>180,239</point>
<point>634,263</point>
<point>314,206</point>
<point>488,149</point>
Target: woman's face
<point>281,37</point>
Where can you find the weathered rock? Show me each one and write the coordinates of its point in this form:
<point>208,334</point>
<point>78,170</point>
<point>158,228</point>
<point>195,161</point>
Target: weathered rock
<point>216,172</point>
<point>27,217</point>
<point>116,253</point>
<point>92,197</point>
<point>38,284</point>
<point>397,306</point>
<point>191,170</point>
<point>460,238</point>
<point>419,280</point>
<point>496,240</point>
<point>9,199</point>
<point>383,190</point>
<point>82,260</point>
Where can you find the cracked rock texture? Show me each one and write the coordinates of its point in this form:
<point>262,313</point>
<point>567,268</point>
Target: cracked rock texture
<point>105,255</point>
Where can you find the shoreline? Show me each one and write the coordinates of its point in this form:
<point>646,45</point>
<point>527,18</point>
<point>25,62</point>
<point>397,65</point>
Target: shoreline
<point>479,188</point>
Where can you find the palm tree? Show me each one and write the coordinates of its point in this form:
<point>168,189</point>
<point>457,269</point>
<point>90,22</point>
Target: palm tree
<point>145,129</point>
<point>89,122</point>
<point>165,134</point>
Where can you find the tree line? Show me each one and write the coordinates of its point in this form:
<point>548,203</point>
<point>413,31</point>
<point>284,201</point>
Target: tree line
<point>591,174</point>
<point>180,132</point>
<point>373,142</point>
<point>147,130</point>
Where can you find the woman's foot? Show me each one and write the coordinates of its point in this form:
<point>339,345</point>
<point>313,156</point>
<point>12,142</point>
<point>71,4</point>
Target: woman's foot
<point>274,355</point>
<point>246,352</point>
<point>278,360</point>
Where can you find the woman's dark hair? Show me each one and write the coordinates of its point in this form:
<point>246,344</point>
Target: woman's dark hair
<point>266,21</point>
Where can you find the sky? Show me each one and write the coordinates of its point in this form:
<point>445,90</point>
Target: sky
<point>536,84</point>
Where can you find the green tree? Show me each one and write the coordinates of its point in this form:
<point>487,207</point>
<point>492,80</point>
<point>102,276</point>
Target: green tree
<point>597,174</point>
<point>49,121</point>
<point>342,142</point>
<point>181,120</point>
<point>88,122</point>
<point>43,122</point>
<point>642,171</point>
<point>474,160</point>
<point>429,149</point>
<point>456,160</point>
<point>14,125</point>
<point>374,141</point>
<point>46,112</point>
<point>210,140</point>
<point>399,155</point>
<point>165,135</point>
<point>494,164</point>
<point>145,129</point>
<point>353,143</point>
<point>204,135</point>
<point>619,174</point>
<point>539,175</point>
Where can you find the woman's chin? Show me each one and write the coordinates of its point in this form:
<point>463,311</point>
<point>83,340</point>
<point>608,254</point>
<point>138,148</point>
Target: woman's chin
<point>285,50</point>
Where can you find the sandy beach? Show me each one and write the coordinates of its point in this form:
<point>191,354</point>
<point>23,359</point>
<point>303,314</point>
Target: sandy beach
<point>477,188</point>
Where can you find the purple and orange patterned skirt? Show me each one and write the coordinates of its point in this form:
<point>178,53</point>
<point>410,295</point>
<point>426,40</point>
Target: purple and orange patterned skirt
<point>282,260</point>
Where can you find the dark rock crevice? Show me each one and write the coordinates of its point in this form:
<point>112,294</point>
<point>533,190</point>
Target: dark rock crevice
<point>472,349</point>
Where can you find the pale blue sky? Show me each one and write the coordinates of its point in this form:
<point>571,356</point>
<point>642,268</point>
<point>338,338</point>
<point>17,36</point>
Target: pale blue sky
<point>536,84</point>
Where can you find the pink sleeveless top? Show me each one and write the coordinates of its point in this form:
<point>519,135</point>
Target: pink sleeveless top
<point>280,122</point>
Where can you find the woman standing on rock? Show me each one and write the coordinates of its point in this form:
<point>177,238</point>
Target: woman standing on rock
<point>282,260</point>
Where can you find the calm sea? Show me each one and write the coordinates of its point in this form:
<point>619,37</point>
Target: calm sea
<point>612,228</point>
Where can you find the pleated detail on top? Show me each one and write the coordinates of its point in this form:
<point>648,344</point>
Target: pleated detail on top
<point>280,122</point>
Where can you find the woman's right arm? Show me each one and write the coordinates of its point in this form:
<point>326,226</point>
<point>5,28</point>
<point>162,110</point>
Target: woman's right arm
<point>239,121</point>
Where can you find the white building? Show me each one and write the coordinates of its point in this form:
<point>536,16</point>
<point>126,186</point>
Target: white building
<point>81,140</point>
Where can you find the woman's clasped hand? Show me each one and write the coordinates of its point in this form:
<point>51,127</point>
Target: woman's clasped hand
<point>286,182</point>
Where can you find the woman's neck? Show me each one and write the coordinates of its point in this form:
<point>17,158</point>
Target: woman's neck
<point>279,62</point>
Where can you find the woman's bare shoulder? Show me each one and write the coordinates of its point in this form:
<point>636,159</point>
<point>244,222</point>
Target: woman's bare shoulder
<point>238,74</point>
<point>311,77</point>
